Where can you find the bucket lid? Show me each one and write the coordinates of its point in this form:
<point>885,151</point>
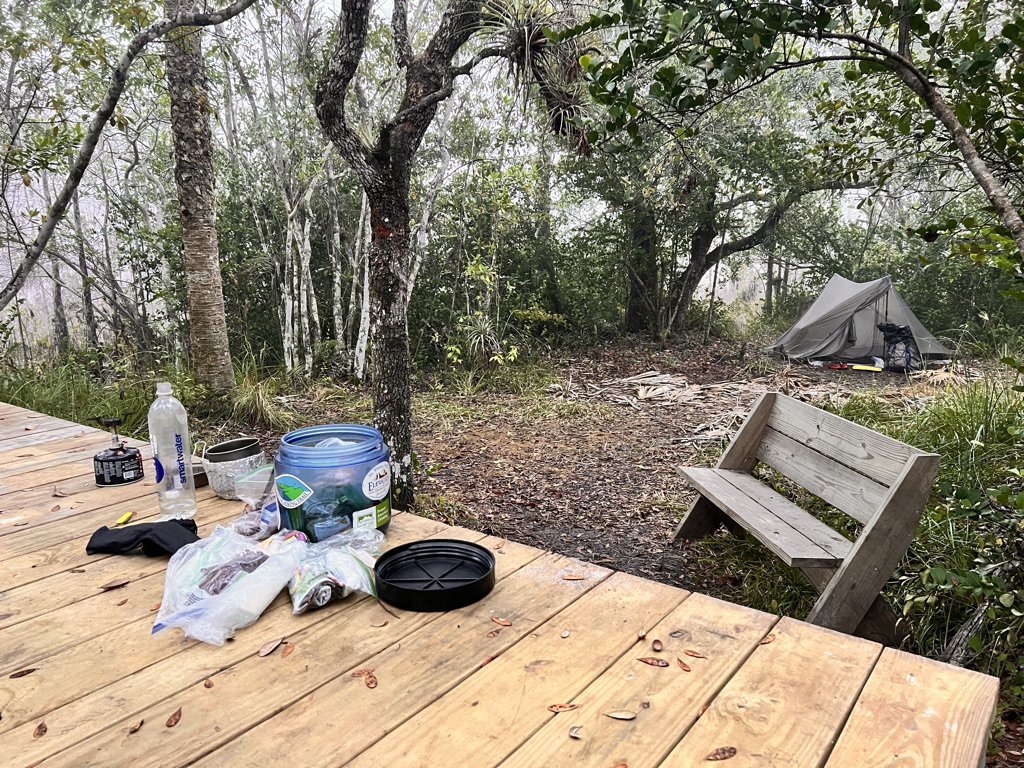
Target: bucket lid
<point>434,575</point>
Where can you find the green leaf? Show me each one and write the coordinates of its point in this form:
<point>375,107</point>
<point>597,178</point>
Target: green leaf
<point>975,644</point>
<point>1006,599</point>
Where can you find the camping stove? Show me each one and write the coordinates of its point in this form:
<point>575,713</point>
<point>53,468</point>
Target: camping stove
<point>118,464</point>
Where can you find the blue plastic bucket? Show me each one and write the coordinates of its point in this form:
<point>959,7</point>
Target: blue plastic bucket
<point>333,478</point>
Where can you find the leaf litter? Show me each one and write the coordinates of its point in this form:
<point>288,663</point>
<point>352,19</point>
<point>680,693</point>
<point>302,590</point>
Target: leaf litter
<point>621,714</point>
<point>270,646</point>
<point>694,654</point>
<point>722,753</point>
<point>174,718</point>
<point>654,661</point>
<point>502,622</point>
<point>39,731</point>
<point>562,707</point>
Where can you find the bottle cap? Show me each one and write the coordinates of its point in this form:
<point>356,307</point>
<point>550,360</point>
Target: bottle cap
<point>163,388</point>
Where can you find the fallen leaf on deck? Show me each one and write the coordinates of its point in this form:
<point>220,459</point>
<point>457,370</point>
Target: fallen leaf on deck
<point>683,665</point>
<point>55,508</point>
<point>23,672</point>
<point>157,608</point>
<point>77,570</point>
<point>641,634</point>
<point>270,646</point>
<point>123,601</point>
<point>645,705</point>
<point>59,494</point>
<point>621,714</point>
<point>371,680</point>
<point>378,624</point>
<point>694,654</point>
<point>621,765</point>
<point>562,707</point>
<point>25,455</point>
<point>173,719</point>
<point>115,584</point>
<point>207,683</point>
<point>286,651</point>
<point>658,646</point>
<point>487,661</point>
<point>29,429</point>
<point>768,639</point>
<point>722,753</point>
<point>565,633</point>
<point>653,661</point>
<point>573,577</point>
<point>362,672</point>
<point>135,727</point>
<point>503,622</point>
<point>702,710</point>
<point>500,544</point>
<point>20,524</point>
<point>494,632</point>
<point>76,450</point>
<point>39,731</point>
<point>574,732</point>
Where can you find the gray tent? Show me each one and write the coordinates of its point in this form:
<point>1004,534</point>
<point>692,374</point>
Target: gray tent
<point>842,323</point>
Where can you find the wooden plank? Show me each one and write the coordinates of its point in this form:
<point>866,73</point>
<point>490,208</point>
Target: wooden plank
<point>65,450</point>
<point>487,717</point>
<point>918,712</point>
<point>852,492</point>
<point>80,467</point>
<point>35,599</point>
<point>27,439</point>
<point>703,518</point>
<point>780,537</point>
<point>14,424</point>
<point>786,705</point>
<point>878,550</point>
<point>803,521</point>
<point>427,664</point>
<point>873,454</point>
<point>667,701</point>
<point>27,510</point>
<point>86,689</point>
<point>238,699</point>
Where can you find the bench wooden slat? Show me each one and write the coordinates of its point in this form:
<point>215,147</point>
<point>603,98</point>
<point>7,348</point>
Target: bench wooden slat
<point>852,492</point>
<point>877,456</point>
<point>789,543</point>
<point>810,526</point>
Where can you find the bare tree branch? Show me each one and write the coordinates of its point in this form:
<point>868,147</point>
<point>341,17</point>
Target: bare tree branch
<point>103,113</point>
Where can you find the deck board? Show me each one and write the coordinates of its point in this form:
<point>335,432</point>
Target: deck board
<point>447,693</point>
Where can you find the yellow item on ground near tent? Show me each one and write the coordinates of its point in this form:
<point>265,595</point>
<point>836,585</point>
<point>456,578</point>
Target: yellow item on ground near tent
<point>124,518</point>
<point>865,368</point>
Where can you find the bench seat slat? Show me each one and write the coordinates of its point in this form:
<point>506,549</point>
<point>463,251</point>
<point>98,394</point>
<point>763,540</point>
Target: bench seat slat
<point>779,535</point>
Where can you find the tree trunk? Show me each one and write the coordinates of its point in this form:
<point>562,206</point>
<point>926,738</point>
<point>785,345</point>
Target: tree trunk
<point>390,361</point>
<point>61,336</point>
<point>769,284</point>
<point>88,311</point>
<point>193,173</point>
<point>642,268</point>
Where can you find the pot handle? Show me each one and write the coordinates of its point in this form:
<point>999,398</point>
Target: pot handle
<point>195,448</point>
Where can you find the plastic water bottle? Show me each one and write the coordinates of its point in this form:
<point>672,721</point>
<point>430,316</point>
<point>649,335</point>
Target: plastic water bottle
<point>172,455</point>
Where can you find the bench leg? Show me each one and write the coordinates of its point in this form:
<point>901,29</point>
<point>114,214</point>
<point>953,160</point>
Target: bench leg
<point>702,519</point>
<point>881,622</point>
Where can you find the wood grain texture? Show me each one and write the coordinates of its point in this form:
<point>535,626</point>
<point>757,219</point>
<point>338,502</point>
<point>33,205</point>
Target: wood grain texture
<point>852,492</point>
<point>810,526</point>
<point>456,645</point>
<point>869,452</point>
<point>667,701</point>
<point>878,549</point>
<point>489,715</point>
<point>782,538</point>
<point>786,705</point>
<point>126,686</point>
<point>918,713</point>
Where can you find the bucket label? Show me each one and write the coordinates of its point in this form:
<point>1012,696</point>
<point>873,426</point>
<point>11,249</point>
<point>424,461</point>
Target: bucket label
<point>377,482</point>
<point>291,491</point>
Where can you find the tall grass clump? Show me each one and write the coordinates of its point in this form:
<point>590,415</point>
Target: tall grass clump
<point>254,398</point>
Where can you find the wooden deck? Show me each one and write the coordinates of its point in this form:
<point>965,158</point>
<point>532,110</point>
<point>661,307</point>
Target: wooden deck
<point>449,694</point>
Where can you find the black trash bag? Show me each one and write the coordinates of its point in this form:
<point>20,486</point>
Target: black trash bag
<point>901,353</point>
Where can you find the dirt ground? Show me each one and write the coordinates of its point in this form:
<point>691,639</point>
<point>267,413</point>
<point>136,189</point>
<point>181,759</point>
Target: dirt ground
<point>594,477</point>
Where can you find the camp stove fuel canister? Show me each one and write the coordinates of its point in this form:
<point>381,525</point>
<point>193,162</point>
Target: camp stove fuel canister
<point>118,464</point>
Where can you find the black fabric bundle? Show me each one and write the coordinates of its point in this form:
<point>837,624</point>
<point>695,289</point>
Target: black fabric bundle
<point>156,539</point>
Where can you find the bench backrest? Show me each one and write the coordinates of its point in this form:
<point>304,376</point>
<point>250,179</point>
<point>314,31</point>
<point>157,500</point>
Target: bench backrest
<point>849,466</point>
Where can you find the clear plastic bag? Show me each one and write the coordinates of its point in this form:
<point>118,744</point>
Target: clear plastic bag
<point>224,582</point>
<point>262,516</point>
<point>335,568</point>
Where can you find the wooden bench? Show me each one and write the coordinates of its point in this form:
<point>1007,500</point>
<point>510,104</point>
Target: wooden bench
<point>874,479</point>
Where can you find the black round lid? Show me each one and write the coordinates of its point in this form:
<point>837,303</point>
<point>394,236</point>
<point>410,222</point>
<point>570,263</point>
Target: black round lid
<point>233,450</point>
<point>434,574</point>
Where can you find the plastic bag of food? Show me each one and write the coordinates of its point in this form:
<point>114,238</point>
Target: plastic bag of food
<point>224,582</point>
<point>335,568</point>
<point>262,516</point>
